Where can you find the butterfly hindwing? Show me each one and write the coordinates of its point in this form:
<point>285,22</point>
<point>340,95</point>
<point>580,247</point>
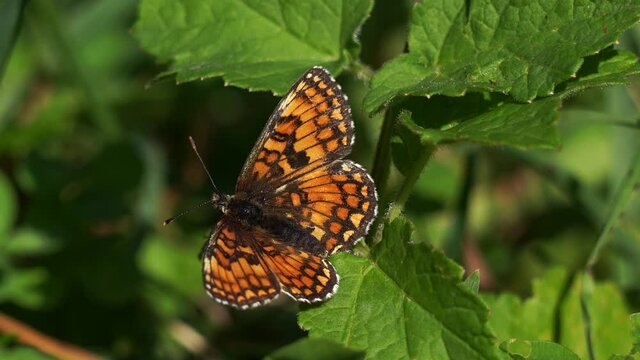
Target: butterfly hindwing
<point>311,126</point>
<point>336,203</point>
<point>234,272</point>
<point>305,277</point>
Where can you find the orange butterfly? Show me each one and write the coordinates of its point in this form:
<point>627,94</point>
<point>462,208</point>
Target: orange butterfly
<point>295,204</point>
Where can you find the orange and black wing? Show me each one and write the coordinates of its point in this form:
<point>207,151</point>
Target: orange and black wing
<point>304,276</point>
<point>335,203</point>
<point>311,126</point>
<point>234,272</point>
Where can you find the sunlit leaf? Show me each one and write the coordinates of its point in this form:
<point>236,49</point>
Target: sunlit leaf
<point>425,309</point>
<point>609,317</point>
<point>459,46</point>
<point>530,319</point>
<point>537,350</point>
<point>252,44</point>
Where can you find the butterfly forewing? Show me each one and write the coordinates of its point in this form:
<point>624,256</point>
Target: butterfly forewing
<point>311,126</point>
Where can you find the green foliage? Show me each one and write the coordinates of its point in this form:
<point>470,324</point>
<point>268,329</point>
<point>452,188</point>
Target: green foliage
<point>315,349</point>
<point>509,222</point>
<point>8,204</point>
<point>10,12</point>
<point>635,332</point>
<point>606,306</point>
<point>23,353</point>
<point>19,284</point>
<point>473,281</point>
<point>537,350</point>
<point>257,45</point>
<point>414,302</point>
<point>457,46</point>
<point>531,319</point>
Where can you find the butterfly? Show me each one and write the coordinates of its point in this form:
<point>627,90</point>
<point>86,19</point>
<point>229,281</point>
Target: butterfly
<point>296,202</point>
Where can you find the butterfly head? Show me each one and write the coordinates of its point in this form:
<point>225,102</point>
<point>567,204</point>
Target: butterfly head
<point>220,201</point>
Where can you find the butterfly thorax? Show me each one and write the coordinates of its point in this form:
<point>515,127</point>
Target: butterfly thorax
<point>246,211</point>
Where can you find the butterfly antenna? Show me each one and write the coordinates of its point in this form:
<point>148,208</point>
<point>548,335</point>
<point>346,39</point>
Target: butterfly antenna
<point>171,219</point>
<point>195,149</point>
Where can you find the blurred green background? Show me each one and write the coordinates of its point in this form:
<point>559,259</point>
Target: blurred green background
<point>94,155</point>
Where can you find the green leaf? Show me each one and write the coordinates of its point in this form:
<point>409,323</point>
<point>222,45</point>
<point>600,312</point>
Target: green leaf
<point>10,13</point>
<point>315,349</point>
<point>26,241</point>
<point>160,258</point>
<point>523,48</point>
<point>418,308</point>
<point>532,319</point>
<point>8,204</point>
<point>635,332</point>
<point>473,118</point>
<point>607,68</point>
<point>497,123</point>
<point>23,353</point>
<point>635,338</point>
<point>609,319</point>
<point>537,350</point>
<point>253,44</point>
<point>494,120</point>
<point>621,357</point>
<point>473,281</point>
<point>22,287</point>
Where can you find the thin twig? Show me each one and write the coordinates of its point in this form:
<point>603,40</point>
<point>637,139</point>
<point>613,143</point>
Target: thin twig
<point>48,345</point>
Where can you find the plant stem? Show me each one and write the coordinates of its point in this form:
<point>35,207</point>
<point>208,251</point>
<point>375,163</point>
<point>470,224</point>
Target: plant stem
<point>381,170</point>
<point>584,307</point>
<point>620,200</point>
<point>622,197</point>
<point>410,180</point>
<point>25,334</point>
<point>453,242</point>
<point>382,159</point>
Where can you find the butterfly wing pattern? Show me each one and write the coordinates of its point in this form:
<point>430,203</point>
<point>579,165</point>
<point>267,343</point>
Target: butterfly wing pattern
<point>234,271</point>
<point>297,176</point>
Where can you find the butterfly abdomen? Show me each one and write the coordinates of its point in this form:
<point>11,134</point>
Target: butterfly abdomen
<point>251,214</point>
<point>292,234</point>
